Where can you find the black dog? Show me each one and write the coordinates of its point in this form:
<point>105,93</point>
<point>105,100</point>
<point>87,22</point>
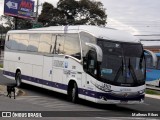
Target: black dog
<point>10,89</point>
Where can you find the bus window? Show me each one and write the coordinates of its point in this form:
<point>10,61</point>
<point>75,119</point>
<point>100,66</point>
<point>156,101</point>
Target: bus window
<point>14,41</point>
<point>33,43</point>
<point>23,42</point>
<point>158,63</point>
<point>86,37</point>
<point>149,61</point>
<point>59,43</point>
<point>72,45</point>
<point>45,43</point>
<point>92,62</point>
<point>8,41</point>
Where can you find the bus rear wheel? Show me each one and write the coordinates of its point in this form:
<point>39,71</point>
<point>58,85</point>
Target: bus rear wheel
<point>18,79</point>
<point>73,93</point>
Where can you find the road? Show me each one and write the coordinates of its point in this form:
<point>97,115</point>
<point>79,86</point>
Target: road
<point>38,99</point>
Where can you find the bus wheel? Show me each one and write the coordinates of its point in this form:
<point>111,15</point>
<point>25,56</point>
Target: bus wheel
<point>18,79</point>
<point>73,93</point>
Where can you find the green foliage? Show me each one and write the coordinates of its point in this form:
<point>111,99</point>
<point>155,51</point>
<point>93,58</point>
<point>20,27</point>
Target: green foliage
<point>73,12</point>
<point>3,29</point>
<point>46,14</point>
<point>21,23</point>
<point>152,92</point>
<point>8,21</point>
<point>1,65</point>
<point>37,25</point>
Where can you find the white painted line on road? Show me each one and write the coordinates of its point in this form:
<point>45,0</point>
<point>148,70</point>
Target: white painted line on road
<point>152,96</point>
<point>145,104</point>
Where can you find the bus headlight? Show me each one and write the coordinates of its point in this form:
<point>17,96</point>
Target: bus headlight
<point>141,91</point>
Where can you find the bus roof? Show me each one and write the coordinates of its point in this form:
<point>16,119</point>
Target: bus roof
<point>96,31</point>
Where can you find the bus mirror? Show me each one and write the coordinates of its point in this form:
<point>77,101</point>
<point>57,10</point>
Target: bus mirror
<point>153,55</point>
<point>98,51</point>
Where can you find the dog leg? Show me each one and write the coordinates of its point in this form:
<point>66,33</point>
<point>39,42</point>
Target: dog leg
<point>14,95</point>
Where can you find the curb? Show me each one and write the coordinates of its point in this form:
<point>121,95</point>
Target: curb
<point>153,96</point>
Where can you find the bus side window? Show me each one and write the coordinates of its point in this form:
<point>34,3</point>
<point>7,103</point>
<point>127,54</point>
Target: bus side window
<point>158,63</point>
<point>15,42</point>
<point>92,62</point>
<point>45,43</point>
<point>59,43</point>
<point>72,45</point>
<point>8,37</point>
<point>86,38</point>
<point>149,61</point>
<point>8,41</point>
<point>33,42</point>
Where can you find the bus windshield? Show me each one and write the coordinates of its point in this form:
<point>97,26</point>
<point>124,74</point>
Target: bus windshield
<point>123,63</point>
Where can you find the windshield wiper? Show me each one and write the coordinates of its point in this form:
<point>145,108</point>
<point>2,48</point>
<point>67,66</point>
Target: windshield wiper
<point>118,72</point>
<point>131,70</point>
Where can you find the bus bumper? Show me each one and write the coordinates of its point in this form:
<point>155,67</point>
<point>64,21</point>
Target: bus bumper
<point>120,99</point>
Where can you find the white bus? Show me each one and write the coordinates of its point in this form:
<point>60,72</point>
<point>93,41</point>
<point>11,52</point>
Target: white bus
<point>98,64</point>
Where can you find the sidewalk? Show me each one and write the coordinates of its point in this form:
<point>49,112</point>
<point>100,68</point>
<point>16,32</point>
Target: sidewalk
<point>153,96</point>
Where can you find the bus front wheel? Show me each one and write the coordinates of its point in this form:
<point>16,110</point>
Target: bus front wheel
<point>73,93</point>
<point>18,79</point>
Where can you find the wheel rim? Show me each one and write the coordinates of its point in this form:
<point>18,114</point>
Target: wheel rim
<point>73,94</point>
<point>18,80</point>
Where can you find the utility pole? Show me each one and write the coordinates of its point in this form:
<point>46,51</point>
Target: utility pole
<point>16,23</point>
<point>37,7</point>
<point>1,39</point>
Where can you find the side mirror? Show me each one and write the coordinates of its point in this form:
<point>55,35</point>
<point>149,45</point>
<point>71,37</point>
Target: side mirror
<point>98,51</point>
<point>154,57</point>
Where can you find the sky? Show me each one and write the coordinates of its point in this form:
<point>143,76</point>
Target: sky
<point>139,17</point>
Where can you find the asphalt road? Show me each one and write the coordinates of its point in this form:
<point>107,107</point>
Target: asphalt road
<point>38,99</point>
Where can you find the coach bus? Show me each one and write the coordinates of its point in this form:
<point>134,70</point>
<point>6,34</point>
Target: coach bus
<point>152,72</point>
<point>98,64</point>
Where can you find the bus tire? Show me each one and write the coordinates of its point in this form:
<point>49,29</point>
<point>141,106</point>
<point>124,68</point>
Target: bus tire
<point>18,79</point>
<point>73,93</point>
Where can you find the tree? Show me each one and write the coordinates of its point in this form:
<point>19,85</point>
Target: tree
<point>46,14</point>
<point>21,23</point>
<point>9,22</point>
<point>73,12</point>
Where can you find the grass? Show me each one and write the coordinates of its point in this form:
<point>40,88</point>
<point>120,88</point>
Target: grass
<point>1,65</point>
<point>152,92</point>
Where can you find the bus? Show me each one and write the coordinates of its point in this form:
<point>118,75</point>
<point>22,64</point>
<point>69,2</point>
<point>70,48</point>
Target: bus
<point>98,64</point>
<point>153,72</point>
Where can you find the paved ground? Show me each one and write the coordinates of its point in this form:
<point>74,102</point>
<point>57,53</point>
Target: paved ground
<point>1,57</point>
<point>37,99</point>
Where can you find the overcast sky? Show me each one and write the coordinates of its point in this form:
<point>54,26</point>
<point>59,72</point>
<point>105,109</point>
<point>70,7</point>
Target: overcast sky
<point>135,16</point>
